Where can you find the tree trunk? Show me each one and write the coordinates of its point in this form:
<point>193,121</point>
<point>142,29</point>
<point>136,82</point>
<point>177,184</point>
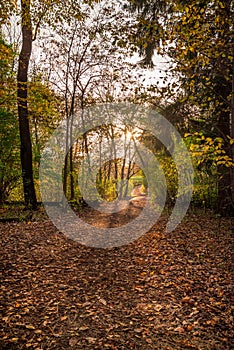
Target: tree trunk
<point>224,88</point>
<point>232,132</point>
<point>128,177</point>
<point>225,204</point>
<point>22,100</point>
<point>65,169</point>
<point>72,190</point>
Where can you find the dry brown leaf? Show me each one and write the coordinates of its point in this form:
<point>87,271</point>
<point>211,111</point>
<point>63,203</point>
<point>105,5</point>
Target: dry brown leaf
<point>29,326</point>
<point>179,329</point>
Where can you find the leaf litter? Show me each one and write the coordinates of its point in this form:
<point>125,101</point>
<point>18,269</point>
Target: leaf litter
<point>163,291</point>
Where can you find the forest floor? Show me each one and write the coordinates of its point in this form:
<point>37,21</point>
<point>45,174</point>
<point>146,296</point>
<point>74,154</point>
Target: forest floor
<point>163,291</point>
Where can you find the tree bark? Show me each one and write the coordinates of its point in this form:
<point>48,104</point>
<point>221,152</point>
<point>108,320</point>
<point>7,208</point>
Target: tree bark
<point>232,131</point>
<point>225,204</point>
<point>72,194</point>
<point>22,100</point>
<point>224,89</point>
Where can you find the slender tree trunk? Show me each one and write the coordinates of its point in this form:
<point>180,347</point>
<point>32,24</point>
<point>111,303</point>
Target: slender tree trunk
<point>224,88</point>
<point>232,131</point>
<point>85,138</point>
<point>128,177</point>
<point>114,151</point>
<point>37,145</point>
<point>100,160</point>
<point>110,162</point>
<point>225,204</point>
<point>65,169</point>
<point>22,100</point>
<point>72,194</point>
<point>122,173</point>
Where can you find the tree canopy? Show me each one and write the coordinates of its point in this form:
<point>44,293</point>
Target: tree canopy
<point>81,55</point>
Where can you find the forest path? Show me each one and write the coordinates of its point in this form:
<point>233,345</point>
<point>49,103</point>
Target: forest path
<point>163,291</point>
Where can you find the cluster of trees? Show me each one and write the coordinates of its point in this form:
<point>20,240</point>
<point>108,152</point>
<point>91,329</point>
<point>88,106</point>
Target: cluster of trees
<point>57,60</point>
<point>198,37</point>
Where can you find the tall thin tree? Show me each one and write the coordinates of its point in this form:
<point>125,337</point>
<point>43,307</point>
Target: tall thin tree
<point>22,98</point>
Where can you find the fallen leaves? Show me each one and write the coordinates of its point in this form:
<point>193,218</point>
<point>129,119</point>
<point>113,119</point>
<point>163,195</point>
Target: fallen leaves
<point>63,318</point>
<point>73,341</point>
<point>138,330</point>
<point>29,326</point>
<point>188,300</point>
<point>83,328</point>
<point>179,329</point>
<point>165,291</point>
<point>103,301</point>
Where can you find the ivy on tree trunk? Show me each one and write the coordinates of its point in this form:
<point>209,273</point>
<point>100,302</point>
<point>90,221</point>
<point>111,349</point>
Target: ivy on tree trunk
<point>22,98</point>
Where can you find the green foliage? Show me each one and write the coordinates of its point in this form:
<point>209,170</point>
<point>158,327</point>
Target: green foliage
<point>138,180</point>
<point>203,51</point>
<point>107,189</point>
<point>208,152</point>
<point>44,116</point>
<point>7,77</point>
<point>207,155</point>
<point>171,176</point>
<point>44,113</point>
<point>10,170</point>
<point>9,134</point>
<point>198,37</point>
<point>6,10</point>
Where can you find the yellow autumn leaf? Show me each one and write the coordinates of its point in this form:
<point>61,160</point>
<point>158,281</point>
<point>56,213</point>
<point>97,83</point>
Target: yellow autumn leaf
<point>14,339</point>
<point>209,140</point>
<point>63,318</point>
<point>29,326</point>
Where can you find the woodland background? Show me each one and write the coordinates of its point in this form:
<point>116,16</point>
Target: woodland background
<point>58,60</point>
<point>169,291</point>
